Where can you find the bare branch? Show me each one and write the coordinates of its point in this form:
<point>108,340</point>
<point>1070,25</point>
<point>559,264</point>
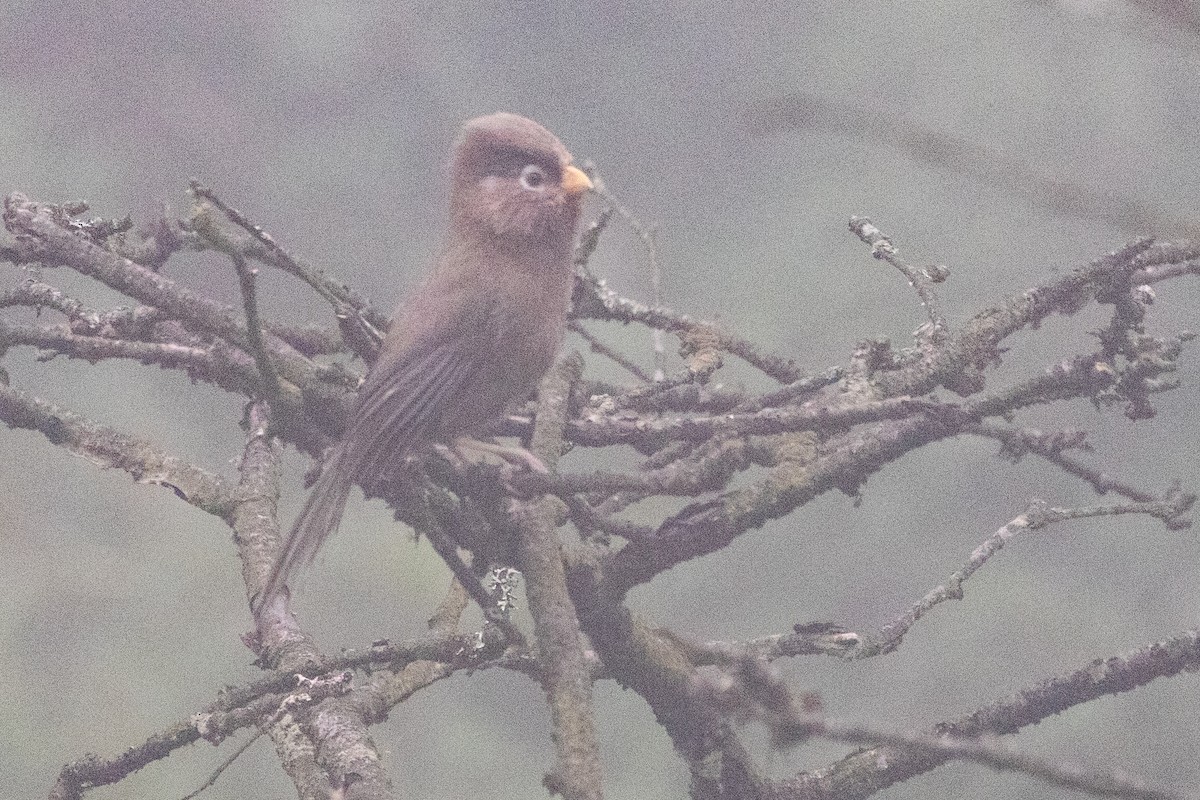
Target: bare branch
<point>107,447</point>
<point>600,347</point>
<point>1036,517</point>
<point>565,677</point>
<point>922,280</point>
<point>746,455</point>
<point>265,249</point>
<point>988,753</point>
<point>1034,183</point>
<point>646,235</point>
<point>1018,441</point>
<point>864,773</point>
<point>594,300</point>
<point>44,238</point>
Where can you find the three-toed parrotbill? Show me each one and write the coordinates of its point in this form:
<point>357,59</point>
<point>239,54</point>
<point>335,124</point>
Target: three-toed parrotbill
<point>478,334</point>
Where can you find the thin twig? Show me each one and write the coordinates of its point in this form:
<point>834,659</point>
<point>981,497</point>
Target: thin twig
<point>594,300</point>
<point>921,280</point>
<point>646,234</point>
<point>600,347</point>
<point>1036,184</point>
<point>1018,441</point>
<point>1036,517</point>
<point>226,764</point>
<point>48,238</point>
<point>865,772</point>
<point>988,753</point>
<point>271,389</point>
<point>271,253</point>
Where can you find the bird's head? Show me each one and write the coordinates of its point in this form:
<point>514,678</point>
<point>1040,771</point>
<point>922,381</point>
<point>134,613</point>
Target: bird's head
<point>513,180</point>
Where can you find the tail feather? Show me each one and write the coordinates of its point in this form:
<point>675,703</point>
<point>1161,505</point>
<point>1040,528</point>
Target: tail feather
<point>317,521</point>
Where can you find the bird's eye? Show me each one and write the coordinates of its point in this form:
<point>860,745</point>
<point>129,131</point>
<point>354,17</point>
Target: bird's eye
<point>533,177</point>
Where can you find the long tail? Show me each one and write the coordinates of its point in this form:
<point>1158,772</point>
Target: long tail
<point>317,521</point>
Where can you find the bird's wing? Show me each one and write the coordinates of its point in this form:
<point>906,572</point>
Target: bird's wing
<point>397,408</point>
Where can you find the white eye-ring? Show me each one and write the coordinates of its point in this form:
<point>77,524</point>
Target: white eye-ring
<point>533,177</point>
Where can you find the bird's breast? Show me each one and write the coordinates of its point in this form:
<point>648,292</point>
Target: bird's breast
<point>513,330</point>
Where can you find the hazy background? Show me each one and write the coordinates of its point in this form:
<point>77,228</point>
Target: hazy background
<point>121,608</point>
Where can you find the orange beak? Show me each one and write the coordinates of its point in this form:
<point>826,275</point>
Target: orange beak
<point>574,180</point>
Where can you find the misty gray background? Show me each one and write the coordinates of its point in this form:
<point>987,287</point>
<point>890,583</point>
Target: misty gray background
<point>121,608</point>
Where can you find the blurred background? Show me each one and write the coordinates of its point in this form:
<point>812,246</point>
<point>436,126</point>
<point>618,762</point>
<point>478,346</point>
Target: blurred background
<point>747,133</point>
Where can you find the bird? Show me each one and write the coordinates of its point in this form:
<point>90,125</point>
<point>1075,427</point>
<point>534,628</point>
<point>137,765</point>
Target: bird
<point>475,336</point>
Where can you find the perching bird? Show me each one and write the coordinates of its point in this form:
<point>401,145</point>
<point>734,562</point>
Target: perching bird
<point>477,335</point>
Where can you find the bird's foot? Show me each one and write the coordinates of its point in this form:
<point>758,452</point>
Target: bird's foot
<point>467,447</point>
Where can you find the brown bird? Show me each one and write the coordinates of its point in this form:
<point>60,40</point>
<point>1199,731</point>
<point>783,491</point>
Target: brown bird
<point>480,331</point>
